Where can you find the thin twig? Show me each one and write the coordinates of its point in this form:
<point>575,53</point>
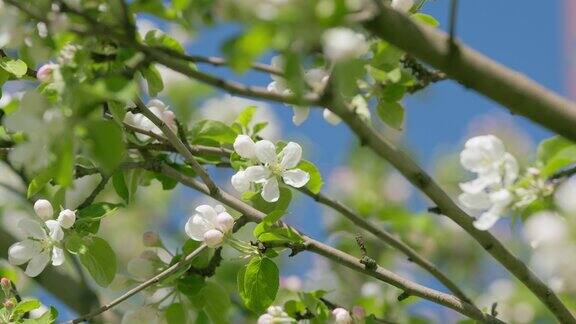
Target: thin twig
<point>150,282</point>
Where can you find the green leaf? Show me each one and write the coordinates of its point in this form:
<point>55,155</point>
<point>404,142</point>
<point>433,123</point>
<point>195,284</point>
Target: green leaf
<point>190,285</point>
<point>39,182</point>
<point>26,306</point>
<point>315,183</point>
<point>241,51</point>
<point>268,221</point>
<point>214,130</point>
<point>216,303</point>
<point>266,207</point>
<point>280,234</point>
<point>153,80</point>
<point>158,38</point>
<point>13,66</point>
<point>105,142</point>
<point>49,317</point>
<point>391,113</point>
<point>175,313</point>
<point>117,110</point>
<point>259,284</point>
<point>551,146</point>
<point>120,186</point>
<point>100,260</point>
<point>427,19</point>
<point>64,166</point>
<point>90,216</point>
<point>245,117</point>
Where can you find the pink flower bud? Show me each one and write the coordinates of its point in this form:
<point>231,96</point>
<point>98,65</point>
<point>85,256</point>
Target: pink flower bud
<point>225,222</point>
<point>150,239</point>
<point>9,304</point>
<point>45,72</point>
<point>5,283</point>
<point>213,238</point>
<point>341,316</point>
<point>359,312</point>
<point>43,209</point>
<point>67,218</point>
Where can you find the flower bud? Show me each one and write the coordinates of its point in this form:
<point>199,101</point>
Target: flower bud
<point>150,239</point>
<point>43,209</point>
<point>225,222</point>
<point>45,72</point>
<point>331,117</point>
<point>67,218</point>
<point>9,304</point>
<point>265,319</point>
<point>402,5</point>
<point>6,286</point>
<point>213,238</point>
<point>341,316</point>
<point>359,312</point>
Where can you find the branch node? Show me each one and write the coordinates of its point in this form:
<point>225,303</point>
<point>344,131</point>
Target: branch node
<point>403,296</point>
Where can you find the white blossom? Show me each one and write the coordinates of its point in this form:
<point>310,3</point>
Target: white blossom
<point>496,171</point>
<point>341,316</point>
<point>158,108</point>
<point>545,228</point>
<point>45,72</point>
<point>209,225</point>
<point>565,196</point>
<point>342,43</point>
<point>315,78</point>
<point>271,166</point>
<point>291,283</point>
<point>42,245</point>
<point>275,315</point>
<point>402,5</point>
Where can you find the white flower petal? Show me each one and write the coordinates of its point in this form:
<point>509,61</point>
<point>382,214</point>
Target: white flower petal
<point>478,201</point>
<point>57,256</point>
<point>486,221</point>
<point>32,228</point>
<point>240,181</point>
<point>477,185</point>
<point>244,146</point>
<point>213,238</point>
<point>331,117</point>
<point>224,222</point>
<point>290,155</point>
<point>296,178</point>
<point>38,264</point>
<point>266,151</point>
<point>257,173</point>
<point>510,169</point>
<point>56,232</point>
<point>21,252</point>
<point>207,212</point>
<point>270,190</point>
<point>196,226</point>
<point>219,209</point>
<point>402,5</point>
<point>300,114</point>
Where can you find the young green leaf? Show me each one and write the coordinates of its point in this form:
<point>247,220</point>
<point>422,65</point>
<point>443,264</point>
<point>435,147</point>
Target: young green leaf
<point>14,66</point>
<point>100,260</point>
<point>153,80</point>
<point>315,183</point>
<point>391,113</point>
<point>259,284</point>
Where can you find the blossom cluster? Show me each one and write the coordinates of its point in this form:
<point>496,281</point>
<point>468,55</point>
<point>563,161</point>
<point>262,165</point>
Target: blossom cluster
<point>43,242</point>
<point>268,166</point>
<point>496,171</point>
<point>158,108</point>
<point>210,225</point>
